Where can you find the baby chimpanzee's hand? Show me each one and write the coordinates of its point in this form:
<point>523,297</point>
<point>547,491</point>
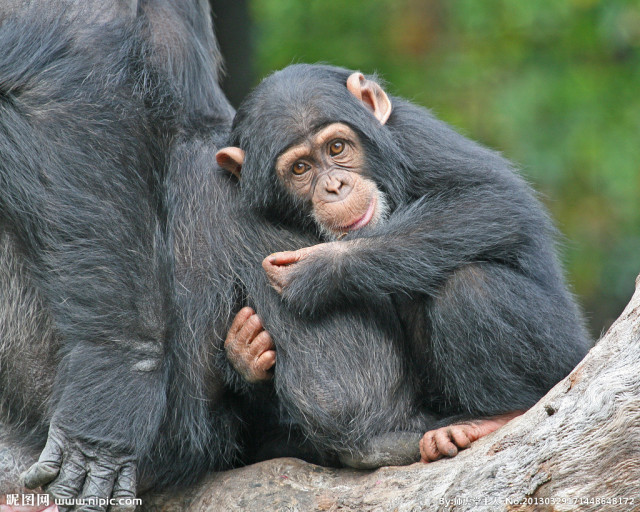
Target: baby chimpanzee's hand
<point>280,266</point>
<point>249,347</point>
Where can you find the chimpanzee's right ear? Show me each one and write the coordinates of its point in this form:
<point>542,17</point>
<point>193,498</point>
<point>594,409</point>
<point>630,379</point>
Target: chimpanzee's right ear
<point>371,95</point>
<point>231,159</point>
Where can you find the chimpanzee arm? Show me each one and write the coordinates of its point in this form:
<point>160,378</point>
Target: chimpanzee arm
<point>100,430</point>
<point>82,209</point>
<point>106,286</point>
<point>420,245</point>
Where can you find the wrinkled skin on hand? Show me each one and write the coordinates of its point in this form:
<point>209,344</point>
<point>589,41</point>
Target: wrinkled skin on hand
<point>69,468</point>
<point>283,267</point>
<point>318,268</point>
<point>249,347</point>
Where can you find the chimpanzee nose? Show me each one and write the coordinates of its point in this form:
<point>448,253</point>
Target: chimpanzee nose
<point>334,185</point>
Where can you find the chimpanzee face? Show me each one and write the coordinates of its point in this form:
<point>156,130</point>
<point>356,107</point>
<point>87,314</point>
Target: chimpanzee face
<point>326,168</point>
<point>327,171</point>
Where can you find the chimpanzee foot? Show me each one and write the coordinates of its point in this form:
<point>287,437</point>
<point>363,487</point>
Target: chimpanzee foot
<point>250,349</point>
<point>447,441</point>
<point>390,449</point>
<point>68,469</point>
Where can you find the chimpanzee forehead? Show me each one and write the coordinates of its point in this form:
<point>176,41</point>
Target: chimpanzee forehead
<point>296,101</point>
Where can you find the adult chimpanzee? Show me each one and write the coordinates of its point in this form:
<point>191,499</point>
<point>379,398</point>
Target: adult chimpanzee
<point>103,353</point>
<point>414,212</point>
<point>124,256</point>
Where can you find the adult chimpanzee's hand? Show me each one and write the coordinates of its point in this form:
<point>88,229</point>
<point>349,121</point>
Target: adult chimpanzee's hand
<point>249,347</point>
<point>69,468</point>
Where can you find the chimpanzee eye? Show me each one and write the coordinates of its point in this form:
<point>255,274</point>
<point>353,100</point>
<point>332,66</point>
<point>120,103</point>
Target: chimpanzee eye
<point>336,147</point>
<point>299,168</point>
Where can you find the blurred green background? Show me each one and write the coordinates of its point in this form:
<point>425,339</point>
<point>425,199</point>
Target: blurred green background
<point>553,84</point>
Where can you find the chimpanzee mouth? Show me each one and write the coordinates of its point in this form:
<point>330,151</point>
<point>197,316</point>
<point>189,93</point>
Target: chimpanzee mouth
<point>365,219</point>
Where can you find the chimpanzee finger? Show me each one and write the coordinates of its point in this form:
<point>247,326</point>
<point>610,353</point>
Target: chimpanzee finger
<point>459,436</point>
<point>264,364</point>
<point>124,490</point>
<point>98,487</point>
<point>47,467</point>
<point>284,258</point>
<point>261,344</point>
<point>268,267</point>
<point>254,364</point>
<point>70,480</point>
<point>266,353</point>
<point>250,329</point>
<point>428,448</point>
<point>240,319</point>
<point>275,274</point>
<point>445,446</point>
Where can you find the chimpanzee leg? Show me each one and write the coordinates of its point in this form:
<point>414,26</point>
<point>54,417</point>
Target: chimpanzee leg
<point>497,342</point>
<point>351,394</point>
<point>27,367</point>
<point>343,413</point>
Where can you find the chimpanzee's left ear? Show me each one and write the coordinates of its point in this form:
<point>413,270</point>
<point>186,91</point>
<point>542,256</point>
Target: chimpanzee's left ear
<point>231,159</point>
<point>371,94</point>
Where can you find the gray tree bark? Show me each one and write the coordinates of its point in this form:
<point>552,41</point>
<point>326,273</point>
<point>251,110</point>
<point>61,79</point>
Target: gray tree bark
<point>577,449</point>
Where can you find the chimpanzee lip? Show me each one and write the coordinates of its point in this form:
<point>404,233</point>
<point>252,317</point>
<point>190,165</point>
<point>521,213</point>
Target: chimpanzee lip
<point>364,220</point>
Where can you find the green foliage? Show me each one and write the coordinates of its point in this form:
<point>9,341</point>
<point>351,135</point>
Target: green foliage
<point>553,84</point>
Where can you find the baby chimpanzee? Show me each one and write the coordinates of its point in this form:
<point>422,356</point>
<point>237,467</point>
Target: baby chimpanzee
<point>410,210</point>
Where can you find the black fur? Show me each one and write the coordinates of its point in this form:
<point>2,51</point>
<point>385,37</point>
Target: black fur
<point>122,368</point>
<point>125,254</point>
<point>466,254</point>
